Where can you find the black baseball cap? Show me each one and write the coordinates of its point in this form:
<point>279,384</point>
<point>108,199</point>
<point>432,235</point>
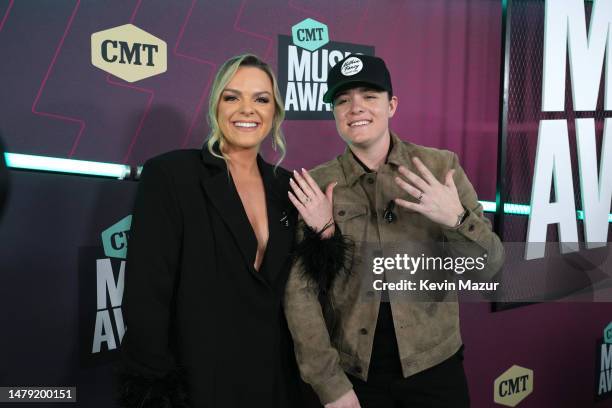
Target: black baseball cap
<point>355,70</point>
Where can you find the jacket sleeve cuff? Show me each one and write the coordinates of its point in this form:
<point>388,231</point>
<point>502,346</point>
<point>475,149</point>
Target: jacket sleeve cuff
<point>470,229</point>
<point>324,259</point>
<point>135,389</point>
<point>333,388</point>
<point>474,238</point>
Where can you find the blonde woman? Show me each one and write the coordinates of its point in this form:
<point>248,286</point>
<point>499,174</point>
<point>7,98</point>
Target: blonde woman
<point>208,260</point>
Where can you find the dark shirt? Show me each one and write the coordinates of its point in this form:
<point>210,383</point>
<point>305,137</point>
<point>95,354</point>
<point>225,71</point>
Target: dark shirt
<point>385,361</point>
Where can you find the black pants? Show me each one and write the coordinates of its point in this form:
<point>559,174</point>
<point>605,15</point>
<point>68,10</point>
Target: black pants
<point>440,386</point>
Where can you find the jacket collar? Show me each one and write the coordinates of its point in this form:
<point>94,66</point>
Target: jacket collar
<point>399,155</point>
<point>269,175</point>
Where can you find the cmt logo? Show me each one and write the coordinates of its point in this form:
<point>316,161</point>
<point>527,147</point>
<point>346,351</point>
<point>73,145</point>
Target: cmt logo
<point>129,53</point>
<point>608,334</point>
<point>603,382</point>
<point>310,34</point>
<point>513,386</point>
<point>115,238</point>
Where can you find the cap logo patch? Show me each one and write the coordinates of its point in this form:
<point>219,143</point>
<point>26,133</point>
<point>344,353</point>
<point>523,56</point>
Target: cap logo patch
<point>351,66</point>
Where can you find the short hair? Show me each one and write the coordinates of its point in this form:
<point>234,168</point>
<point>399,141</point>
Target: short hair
<point>365,85</point>
<point>222,78</point>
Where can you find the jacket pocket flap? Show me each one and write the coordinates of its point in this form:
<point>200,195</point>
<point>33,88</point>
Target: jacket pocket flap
<point>345,212</point>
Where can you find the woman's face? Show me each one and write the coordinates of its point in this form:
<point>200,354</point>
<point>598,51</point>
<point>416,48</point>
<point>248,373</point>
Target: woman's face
<point>246,109</point>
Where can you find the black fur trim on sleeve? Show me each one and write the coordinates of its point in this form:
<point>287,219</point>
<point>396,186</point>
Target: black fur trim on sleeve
<point>140,391</point>
<point>324,259</point>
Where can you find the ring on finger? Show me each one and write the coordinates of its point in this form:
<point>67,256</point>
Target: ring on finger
<point>421,197</point>
<point>308,199</point>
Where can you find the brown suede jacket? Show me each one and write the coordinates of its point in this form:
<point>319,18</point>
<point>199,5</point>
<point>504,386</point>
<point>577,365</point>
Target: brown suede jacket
<point>334,336</point>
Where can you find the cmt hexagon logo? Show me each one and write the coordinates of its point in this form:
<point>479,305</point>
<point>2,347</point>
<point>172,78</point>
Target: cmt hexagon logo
<point>129,53</point>
<point>115,238</point>
<point>513,386</point>
<point>310,34</point>
<point>608,334</point>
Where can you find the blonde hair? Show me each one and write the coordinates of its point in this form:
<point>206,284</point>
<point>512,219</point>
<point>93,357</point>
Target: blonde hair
<point>224,75</point>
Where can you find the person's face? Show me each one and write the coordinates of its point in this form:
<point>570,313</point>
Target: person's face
<point>246,109</point>
<point>362,115</point>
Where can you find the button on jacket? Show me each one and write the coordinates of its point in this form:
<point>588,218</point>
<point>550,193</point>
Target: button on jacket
<point>335,336</point>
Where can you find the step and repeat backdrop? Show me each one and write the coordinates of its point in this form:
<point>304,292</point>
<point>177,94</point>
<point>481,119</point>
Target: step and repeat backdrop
<point>122,81</point>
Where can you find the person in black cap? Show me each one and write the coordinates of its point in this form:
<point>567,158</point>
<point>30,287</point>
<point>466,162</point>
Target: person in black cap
<point>360,347</point>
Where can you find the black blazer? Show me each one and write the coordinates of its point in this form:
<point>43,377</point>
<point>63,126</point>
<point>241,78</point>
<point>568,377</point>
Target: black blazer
<point>197,312</point>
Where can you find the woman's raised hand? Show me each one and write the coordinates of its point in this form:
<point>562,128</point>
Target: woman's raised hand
<point>315,207</point>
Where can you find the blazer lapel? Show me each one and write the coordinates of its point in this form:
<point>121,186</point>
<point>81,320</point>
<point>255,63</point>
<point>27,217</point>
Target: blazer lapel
<point>280,219</point>
<point>222,193</point>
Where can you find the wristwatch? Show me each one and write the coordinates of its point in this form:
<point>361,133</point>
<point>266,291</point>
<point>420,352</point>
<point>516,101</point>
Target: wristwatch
<point>461,217</point>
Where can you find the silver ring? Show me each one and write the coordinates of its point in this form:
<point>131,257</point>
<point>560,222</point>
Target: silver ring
<point>308,199</point>
<point>420,197</point>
